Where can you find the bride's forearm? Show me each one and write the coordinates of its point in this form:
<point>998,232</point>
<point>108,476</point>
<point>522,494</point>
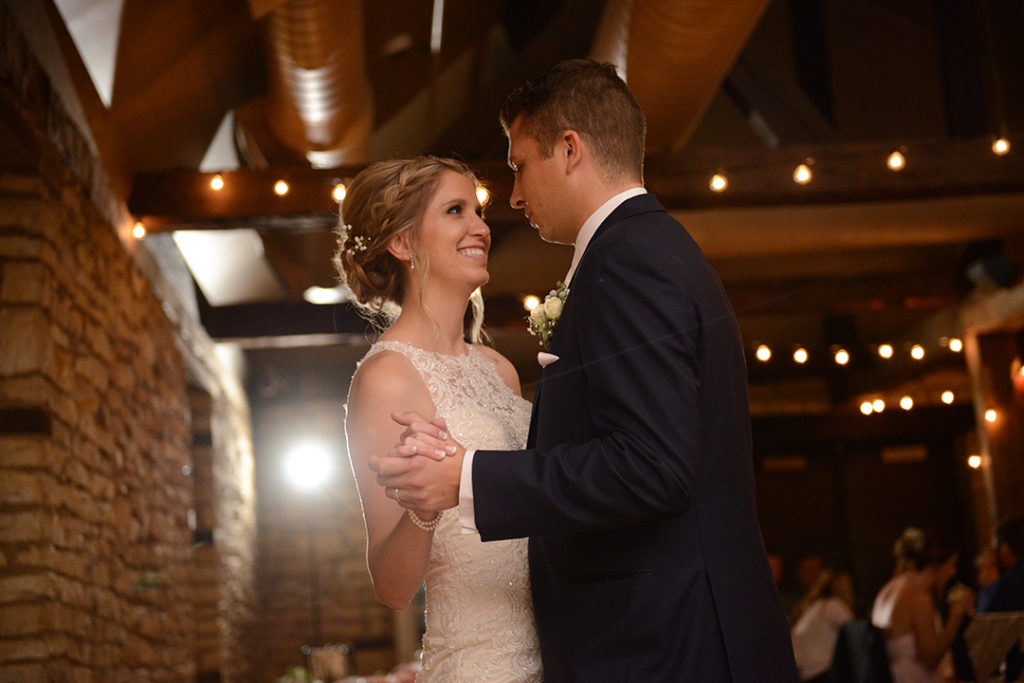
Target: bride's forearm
<point>399,563</point>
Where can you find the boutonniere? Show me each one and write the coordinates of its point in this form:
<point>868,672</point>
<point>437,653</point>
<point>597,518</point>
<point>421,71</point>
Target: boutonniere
<point>545,315</point>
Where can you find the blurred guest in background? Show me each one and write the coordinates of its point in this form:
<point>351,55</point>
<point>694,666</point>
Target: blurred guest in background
<point>987,568</point>
<point>817,619</point>
<point>905,609</point>
<point>1006,594</point>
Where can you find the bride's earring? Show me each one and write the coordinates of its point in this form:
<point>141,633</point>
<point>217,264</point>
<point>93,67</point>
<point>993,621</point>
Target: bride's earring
<point>412,265</point>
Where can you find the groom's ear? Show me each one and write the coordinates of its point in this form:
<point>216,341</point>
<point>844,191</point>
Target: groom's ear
<point>572,148</point>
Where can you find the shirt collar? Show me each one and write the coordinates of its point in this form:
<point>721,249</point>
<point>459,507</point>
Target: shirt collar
<point>591,225</point>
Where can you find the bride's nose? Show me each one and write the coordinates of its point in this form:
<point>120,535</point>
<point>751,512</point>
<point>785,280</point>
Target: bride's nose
<point>480,227</point>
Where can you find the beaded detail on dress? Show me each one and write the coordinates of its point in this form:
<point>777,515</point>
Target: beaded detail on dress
<point>479,613</point>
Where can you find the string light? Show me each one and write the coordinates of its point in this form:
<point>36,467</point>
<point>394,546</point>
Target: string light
<point>531,302</point>
<point>842,356</point>
<point>800,355</point>
<point>885,350</point>
<point>896,162</point>
<point>1000,146</point>
<point>947,397</point>
<point>955,345</point>
<point>217,183</point>
<point>338,193</point>
<point>802,174</point>
<point>917,352</point>
<point>763,353</point>
<point>281,188</point>
<point>718,183</point>
<point>974,461</point>
<point>483,195</point>
<point>878,405</point>
<point>866,408</point>
<point>991,416</point>
<point>906,402</point>
<point>139,230</point>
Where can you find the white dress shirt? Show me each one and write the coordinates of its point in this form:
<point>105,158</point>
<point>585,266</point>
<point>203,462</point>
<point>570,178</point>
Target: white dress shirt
<point>467,517</point>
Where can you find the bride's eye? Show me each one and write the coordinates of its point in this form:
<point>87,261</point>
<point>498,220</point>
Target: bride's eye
<point>455,209</point>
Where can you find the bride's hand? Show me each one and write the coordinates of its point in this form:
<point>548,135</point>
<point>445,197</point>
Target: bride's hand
<point>421,437</point>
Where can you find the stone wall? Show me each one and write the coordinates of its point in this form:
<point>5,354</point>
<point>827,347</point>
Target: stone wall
<point>101,578</point>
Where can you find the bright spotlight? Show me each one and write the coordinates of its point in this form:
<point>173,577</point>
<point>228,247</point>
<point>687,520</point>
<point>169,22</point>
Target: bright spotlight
<point>531,302</point>
<point>483,195</point>
<point>308,466</point>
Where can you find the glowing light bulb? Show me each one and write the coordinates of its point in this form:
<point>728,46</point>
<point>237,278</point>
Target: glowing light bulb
<point>1000,146</point>
<point>139,231</point>
<point>483,195</point>
<point>800,355</point>
<point>885,350</point>
<point>338,193</point>
<point>878,404</point>
<point>955,345</point>
<point>842,357</point>
<point>866,408</point>
<point>763,353</point>
<point>308,466</point>
<point>991,415</point>
<point>281,188</point>
<point>947,397</point>
<point>531,302</point>
<point>217,183</point>
<point>974,461</point>
<point>718,183</point>
<point>906,403</point>
<point>917,352</point>
<point>896,162</point>
<point>802,174</point>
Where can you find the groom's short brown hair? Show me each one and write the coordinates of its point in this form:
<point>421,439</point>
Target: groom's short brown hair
<point>589,98</point>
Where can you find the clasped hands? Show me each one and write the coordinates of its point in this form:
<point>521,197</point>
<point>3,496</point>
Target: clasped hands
<point>422,471</point>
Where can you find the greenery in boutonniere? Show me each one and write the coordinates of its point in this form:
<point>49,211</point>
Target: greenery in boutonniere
<point>545,315</point>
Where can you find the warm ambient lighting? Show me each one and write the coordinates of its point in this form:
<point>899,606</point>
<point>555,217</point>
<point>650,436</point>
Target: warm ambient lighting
<point>866,408</point>
<point>308,466</point>
<point>917,352</point>
<point>802,174</point>
<point>947,397</point>
<point>906,403</point>
<point>800,355</point>
<point>878,405</point>
<point>281,188</point>
<point>139,231</point>
<point>338,193</point>
<point>217,183</point>
<point>718,183</point>
<point>763,353</point>
<point>325,295</point>
<point>842,357</point>
<point>483,195</point>
<point>885,350</point>
<point>896,162</point>
<point>955,345</point>
<point>991,415</point>
<point>974,461</point>
<point>531,302</point>
<point>1000,146</point>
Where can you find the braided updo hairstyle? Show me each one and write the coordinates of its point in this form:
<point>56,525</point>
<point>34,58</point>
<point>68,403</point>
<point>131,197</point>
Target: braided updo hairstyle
<point>918,548</point>
<point>382,201</point>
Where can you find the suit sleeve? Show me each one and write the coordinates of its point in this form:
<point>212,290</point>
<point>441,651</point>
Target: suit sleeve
<point>640,334</point>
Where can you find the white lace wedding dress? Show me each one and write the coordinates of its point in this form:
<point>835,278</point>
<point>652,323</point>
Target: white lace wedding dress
<point>478,610</point>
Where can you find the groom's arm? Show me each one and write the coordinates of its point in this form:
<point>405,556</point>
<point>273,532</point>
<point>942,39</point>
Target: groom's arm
<point>640,334</point>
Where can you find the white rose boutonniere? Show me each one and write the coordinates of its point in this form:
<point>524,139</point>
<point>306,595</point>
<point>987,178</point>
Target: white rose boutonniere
<point>545,315</point>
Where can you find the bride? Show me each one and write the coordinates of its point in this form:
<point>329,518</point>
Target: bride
<point>413,248</point>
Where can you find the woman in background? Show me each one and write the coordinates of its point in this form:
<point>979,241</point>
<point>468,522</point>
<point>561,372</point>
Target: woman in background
<point>905,609</point>
<point>817,619</point>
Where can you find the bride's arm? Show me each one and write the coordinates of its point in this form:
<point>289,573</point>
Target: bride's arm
<point>396,549</point>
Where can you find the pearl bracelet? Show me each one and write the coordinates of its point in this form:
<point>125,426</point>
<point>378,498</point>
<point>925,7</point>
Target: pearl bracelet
<point>423,524</point>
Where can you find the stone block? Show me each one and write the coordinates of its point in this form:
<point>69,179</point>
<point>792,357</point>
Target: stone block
<point>24,619</point>
<point>24,526</point>
<point>25,345</point>
<point>28,282</point>
<point>25,487</point>
<point>27,672</point>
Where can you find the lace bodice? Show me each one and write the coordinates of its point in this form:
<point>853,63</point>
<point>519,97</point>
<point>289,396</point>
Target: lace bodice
<point>478,610</point>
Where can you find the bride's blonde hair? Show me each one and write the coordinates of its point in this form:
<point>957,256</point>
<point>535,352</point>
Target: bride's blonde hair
<point>384,200</point>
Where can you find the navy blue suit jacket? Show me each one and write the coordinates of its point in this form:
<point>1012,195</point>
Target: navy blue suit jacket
<point>637,485</point>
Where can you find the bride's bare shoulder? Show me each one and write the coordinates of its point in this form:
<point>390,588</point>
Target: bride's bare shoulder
<point>385,374</point>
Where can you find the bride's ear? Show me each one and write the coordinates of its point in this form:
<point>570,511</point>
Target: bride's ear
<point>399,247</point>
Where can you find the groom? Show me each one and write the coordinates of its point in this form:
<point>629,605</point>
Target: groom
<point>637,485</point>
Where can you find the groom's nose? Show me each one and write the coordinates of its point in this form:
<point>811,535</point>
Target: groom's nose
<point>516,200</point>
